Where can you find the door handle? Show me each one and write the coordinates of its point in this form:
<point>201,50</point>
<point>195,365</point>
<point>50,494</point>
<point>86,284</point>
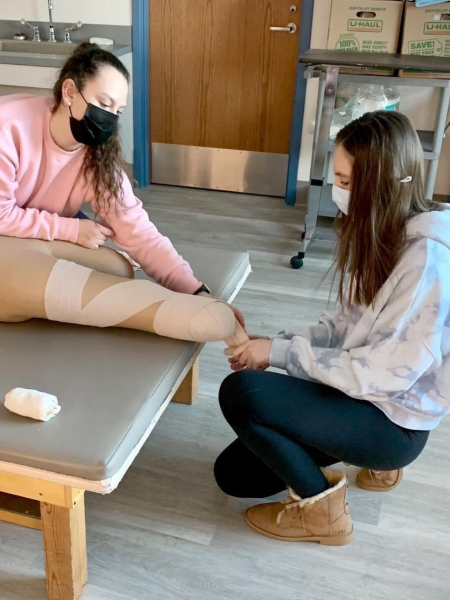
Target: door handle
<point>291,28</point>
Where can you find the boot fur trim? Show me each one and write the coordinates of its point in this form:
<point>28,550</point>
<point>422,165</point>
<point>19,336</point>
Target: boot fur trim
<point>336,479</point>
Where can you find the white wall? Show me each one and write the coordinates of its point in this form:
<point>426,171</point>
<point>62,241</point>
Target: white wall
<point>103,12</point>
<point>420,104</point>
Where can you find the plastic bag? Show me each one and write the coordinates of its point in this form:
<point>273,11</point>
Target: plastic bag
<point>353,101</point>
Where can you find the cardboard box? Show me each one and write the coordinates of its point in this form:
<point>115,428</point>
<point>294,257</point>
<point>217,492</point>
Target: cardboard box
<point>426,32</point>
<point>365,27</point>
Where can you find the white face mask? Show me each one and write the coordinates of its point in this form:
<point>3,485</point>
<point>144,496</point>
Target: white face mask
<point>341,197</point>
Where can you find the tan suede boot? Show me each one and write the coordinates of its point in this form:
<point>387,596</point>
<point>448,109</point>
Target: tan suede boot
<point>324,518</point>
<point>379,481</point>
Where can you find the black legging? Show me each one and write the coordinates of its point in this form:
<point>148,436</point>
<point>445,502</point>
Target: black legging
<point>288,428</point>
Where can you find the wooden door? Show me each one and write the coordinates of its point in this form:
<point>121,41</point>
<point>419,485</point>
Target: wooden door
<point>221,91</point>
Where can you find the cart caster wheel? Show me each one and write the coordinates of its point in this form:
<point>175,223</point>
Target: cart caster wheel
<point>296,262</point>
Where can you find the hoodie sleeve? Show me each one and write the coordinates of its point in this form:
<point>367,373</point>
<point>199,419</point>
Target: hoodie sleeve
<point>320,335</point>
<point>404,343</point>
<point>138,236</point>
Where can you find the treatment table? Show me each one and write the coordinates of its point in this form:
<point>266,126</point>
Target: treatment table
<point>113,386</point>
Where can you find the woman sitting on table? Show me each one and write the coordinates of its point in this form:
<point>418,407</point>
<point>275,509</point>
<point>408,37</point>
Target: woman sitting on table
<point>57,153</point>
<point>367,385</point>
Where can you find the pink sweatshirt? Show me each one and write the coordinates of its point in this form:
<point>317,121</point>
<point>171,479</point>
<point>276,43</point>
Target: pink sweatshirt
<point>41,189</point>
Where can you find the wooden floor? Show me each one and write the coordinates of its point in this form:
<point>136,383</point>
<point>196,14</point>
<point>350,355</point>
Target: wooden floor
<point>168,533</point>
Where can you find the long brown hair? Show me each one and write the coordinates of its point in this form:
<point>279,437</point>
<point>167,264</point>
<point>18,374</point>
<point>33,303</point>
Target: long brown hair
<point>385,149</point>
<point>103,164</point>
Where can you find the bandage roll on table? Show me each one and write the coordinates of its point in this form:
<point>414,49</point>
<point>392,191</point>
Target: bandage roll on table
<point>32,404</point>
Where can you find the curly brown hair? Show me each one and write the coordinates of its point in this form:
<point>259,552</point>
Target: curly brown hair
<point>103,164</point>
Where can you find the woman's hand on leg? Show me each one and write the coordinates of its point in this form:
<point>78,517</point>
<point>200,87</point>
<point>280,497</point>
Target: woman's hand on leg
<point>92,235</point>
<point>235,365</point>
<point>253,355</point>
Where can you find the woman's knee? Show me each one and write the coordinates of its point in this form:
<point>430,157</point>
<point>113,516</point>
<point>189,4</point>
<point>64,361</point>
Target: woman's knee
<point>222,474</point>
<point>238,395</point>
<point>225,473</point>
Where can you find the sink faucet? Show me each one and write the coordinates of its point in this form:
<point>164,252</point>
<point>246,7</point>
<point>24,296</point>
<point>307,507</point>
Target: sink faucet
<point>68,30</point>
<point>36,34</point>
<point>51,7</point>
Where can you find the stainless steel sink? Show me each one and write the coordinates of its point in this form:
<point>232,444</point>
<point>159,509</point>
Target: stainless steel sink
<point>26,47</point>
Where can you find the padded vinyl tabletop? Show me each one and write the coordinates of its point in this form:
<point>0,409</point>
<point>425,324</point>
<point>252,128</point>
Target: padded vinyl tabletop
<point>110,382</point>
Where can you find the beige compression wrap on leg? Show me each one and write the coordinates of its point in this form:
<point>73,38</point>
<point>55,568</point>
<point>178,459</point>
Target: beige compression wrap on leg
<point>180,316</point>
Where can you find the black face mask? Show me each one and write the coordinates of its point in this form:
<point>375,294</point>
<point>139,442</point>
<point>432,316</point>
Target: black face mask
<point>96,127</point>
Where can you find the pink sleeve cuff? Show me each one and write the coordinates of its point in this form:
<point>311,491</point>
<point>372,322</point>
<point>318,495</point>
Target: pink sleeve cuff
<point>68,229</point>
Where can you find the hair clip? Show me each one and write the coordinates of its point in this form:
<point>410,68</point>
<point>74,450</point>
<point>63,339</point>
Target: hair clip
<point>406,180</point>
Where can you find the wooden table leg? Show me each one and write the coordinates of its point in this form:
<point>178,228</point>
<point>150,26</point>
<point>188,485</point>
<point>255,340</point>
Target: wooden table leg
<point>64,532</point>
<point>189,387</point>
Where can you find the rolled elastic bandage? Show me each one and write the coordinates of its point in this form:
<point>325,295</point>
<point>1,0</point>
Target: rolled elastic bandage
<point>180,316</point>
<point>32,404</point>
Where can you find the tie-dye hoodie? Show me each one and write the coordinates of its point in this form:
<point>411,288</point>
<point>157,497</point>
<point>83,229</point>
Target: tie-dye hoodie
<point>396,353</point>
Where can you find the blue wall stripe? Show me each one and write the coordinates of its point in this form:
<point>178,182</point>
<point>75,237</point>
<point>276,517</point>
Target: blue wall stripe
<point>299,103</point>
<point>141,89</point>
